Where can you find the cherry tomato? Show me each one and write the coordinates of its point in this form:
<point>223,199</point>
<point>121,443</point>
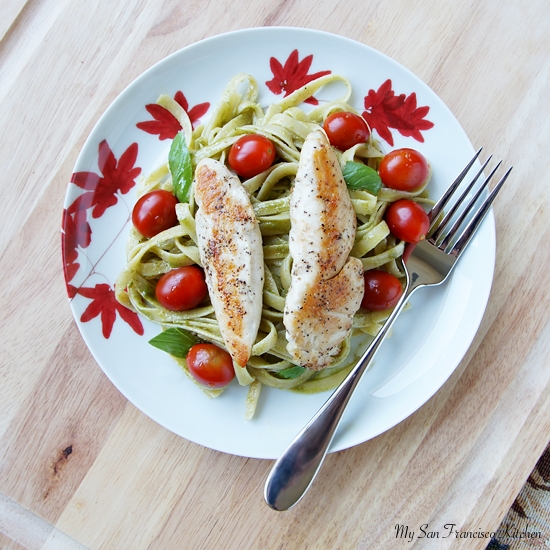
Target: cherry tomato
<point>182,288</point>
<point>404,170</point>
<point>210,365</point>
<point>155,212</point>
<point>382,290</point>
<point>251,154</point>
<point>344,130</point>
<point>407,220</point>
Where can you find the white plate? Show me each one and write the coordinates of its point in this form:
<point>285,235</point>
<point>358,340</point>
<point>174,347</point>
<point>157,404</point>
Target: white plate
<point>428,341</point>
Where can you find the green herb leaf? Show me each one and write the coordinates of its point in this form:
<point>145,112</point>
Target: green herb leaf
<point>361,176</point>
<point>179,161</point>
<point>291,372</point>
<point>175,341</point>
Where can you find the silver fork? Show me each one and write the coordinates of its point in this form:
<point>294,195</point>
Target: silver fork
<point>429,263</point>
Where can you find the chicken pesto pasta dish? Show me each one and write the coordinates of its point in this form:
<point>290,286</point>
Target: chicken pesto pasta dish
<point>269,239</point>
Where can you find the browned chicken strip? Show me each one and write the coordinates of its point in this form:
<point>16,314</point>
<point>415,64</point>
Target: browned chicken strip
<point>230,247</point>
<point>326,285</point>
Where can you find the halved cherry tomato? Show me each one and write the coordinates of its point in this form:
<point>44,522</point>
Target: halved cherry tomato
<point>344,130</point>
<point>182,288</point>
<point>382,290</point>
<point>155,212</point>
<point>210,365</point>
<point>407,220</point>
<point>404,169</point>
<point>251,154</point>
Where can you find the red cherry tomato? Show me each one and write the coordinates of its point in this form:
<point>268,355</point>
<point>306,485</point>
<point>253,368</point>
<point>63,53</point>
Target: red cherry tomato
<point>344,130</point>
<point>251,154</point>
<point>382,290</point>
<point>155,212</point>
<point>182,288</point>
<point>404,170</point>
<point>407,220</point>
<point>210,365</point>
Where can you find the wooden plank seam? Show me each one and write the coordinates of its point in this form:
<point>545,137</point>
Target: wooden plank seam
<point>31,531</point>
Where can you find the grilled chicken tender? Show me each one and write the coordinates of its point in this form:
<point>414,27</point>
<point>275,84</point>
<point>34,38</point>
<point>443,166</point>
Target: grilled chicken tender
<point>326,285</point>
<point>230,247</point>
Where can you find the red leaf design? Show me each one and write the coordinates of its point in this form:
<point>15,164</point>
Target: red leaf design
<point>106,306</point>
<point>180,98</point>
<point>198,111</point>
<point>85,180</point>
<point>125,173</point>
<point>117,177</point>
<point>71,290</point>
<point>82,203</point>
<point>165,124</point>
<point>130,317</point>
<point>106,160</point>
<point>276,85</point>
<point>414,119</point>
<point>385,110</point>
<point>70,270</point>
<point>292,75</point>
<point>76,233</point>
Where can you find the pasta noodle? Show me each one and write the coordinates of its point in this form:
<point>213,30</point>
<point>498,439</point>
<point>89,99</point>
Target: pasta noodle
<point>286,124</point>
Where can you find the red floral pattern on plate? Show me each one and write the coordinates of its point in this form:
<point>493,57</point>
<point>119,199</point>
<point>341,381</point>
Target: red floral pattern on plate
<point>385,110</point>
<point>292,75</point>
<point>105,304</point>
<point>76,233</point>
<point>165,124</point>
<point>101,191</point>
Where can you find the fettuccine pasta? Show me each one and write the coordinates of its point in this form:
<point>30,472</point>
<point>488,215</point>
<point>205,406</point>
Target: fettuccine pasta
<point>286,124</point>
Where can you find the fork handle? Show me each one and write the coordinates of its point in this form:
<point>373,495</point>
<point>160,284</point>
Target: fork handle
<point>295,470</point>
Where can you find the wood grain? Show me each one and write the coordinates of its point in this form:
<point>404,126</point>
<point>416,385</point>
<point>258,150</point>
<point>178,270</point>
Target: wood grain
<point>87,469</point>
<point>73,427</point>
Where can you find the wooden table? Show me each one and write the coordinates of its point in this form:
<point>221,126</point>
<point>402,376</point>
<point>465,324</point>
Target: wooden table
<point>82,467</point>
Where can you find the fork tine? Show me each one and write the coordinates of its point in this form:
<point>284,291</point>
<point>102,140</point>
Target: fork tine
<point>442,202</point>
<point>449,215</point>
<point>444,244</point>
<point>475,222</point>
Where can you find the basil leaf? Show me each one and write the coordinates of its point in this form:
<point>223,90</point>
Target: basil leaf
<point>175,341</point>
<point>361,176</point>
<point>291,372</point>
<point>179,161</point>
